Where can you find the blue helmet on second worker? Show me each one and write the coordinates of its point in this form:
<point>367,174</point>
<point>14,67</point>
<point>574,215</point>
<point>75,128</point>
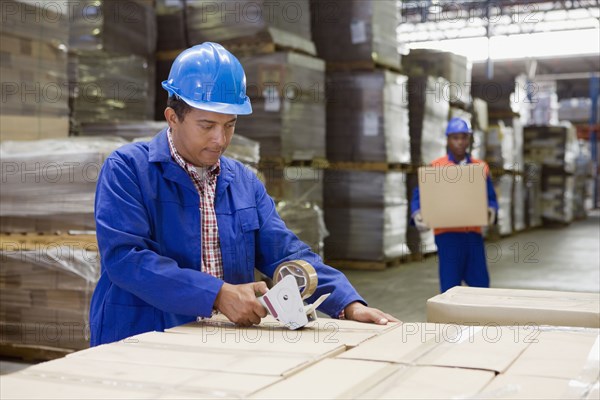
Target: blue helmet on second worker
<point>458,125</point>
<point>210,78</point>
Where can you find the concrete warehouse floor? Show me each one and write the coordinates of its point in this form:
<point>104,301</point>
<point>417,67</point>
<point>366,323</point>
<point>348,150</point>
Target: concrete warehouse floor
<point>551,259</point>
<point>566,258</point>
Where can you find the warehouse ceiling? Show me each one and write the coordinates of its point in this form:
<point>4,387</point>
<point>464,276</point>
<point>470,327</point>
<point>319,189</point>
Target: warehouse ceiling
<point>572,74</point>
<point>436,21</point>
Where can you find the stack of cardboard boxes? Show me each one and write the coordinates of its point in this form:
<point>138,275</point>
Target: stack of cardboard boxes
<point>35,92</point>
<point>367,126</point>
<point>111,61</point>
<point>554,149</point>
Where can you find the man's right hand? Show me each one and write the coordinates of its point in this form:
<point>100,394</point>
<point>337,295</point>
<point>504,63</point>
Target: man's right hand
<point>239,303</point>
<point>420,223</point>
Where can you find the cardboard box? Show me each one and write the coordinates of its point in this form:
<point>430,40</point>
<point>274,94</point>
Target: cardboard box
<point>430,383</point>
<point>377,380</point>
<point>465,185</point>
<point>486,348</point>
<point>572,354</point>
<point>470,306</point>
<point>531,387</point>
<point>78,379</point>
<point>329,379</point>
<point>225,351</point>
<point>219,332</point>
<point>23,127</point>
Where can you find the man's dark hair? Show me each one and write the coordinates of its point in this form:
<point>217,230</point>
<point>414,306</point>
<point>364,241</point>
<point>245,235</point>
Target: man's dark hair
<point>180,107</point>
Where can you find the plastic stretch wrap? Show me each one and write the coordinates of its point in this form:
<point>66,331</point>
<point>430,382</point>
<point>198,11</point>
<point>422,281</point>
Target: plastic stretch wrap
<point>36,20</point>
<point>364,188</point>
<point>243,149</point>
<point>35,93</point>
<point>288,101</point>
<point>285,22</point>
<point>129,130</point>
<point>52,181</point>
<point>294,131</point>
<point>294,76</point>
<point>507,135</point>
<point>351,198</point>
<point>347,31</point>
<point>583,183</point>
<point>557,195</point>
<point>504,185</point>
<point>454,68</point>
<point>418,242</point>
<point>372,234</point>
<point>34,77</point>
<point>533,195</point>
<point>553,146</point>
<point>518,203</point>
<point>122,27</point>
<point>46,290</point>
<point>428,117</point>
<point>112,88</point>
<point>576,110</point>
<point>544,104</point>
<point>518,160</point>
<point>295,184</point>
<point>367,117</point>
<point>479,144</point>
<point>306,221</point>
<point>171,26</point>
<point>494,146</point>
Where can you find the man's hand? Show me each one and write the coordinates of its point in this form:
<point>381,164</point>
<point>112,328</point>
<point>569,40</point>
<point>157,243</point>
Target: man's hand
<point>359,312</point>
<point>420,223</point>
<point>239,303</point>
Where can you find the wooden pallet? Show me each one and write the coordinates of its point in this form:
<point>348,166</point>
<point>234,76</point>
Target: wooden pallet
<point>362,65</point>
<point>368,265</point>
<point>31,241</point>
<point>280,163</point>
<point>32,353</point>
<point>372,166</point>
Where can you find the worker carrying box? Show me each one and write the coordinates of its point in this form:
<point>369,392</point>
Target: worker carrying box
<point>456,197</point>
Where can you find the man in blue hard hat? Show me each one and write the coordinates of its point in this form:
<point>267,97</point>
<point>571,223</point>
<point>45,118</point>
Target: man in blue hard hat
<point>181,227</point>
<point>461,252</point>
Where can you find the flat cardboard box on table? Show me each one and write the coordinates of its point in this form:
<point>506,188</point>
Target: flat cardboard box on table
<point>189,351</point>
<point>74,378</point>
<point>347,379</point>
<point>411,360</point>
<point>453,196</point>
<point>481,306</point>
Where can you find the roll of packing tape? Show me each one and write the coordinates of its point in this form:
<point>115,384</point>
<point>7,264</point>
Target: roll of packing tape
<point>305,275</point>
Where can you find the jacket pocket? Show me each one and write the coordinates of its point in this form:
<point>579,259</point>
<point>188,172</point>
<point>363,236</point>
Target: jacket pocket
<point>248,218</point>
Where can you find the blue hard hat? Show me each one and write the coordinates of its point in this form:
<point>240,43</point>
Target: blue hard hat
<point>458,125</point>
<point>210,78</point>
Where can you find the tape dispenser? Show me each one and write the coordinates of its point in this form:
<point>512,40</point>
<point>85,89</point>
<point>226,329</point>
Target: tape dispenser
<point>295,281</point>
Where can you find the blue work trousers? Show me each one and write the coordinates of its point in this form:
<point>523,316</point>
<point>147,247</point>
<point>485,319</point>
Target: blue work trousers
<point>461,259</point>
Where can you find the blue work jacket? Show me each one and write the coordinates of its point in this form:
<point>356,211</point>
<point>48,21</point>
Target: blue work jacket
<point>149,237</point>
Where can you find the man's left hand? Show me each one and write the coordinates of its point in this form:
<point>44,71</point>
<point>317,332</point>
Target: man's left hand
<point>359,312</point>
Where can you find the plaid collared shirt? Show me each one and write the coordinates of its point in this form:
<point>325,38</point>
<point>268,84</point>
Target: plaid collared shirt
<point>212,262</point>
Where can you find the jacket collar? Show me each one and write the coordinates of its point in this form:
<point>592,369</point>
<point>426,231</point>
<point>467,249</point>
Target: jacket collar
<point>158,151</point>
<point>467,157</point>
<point>158,148</point>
